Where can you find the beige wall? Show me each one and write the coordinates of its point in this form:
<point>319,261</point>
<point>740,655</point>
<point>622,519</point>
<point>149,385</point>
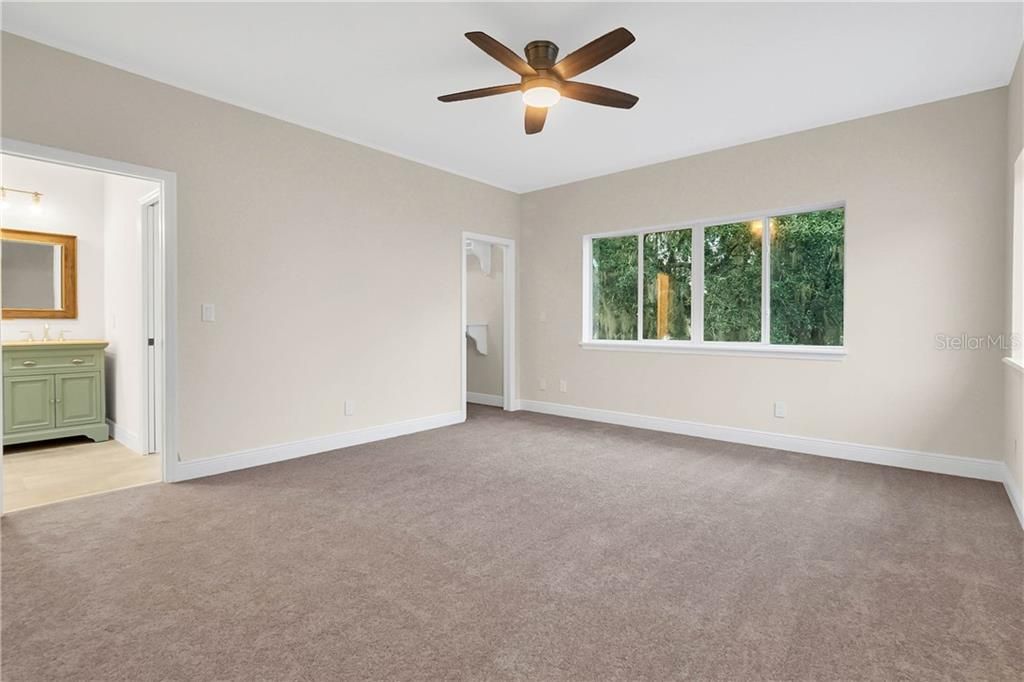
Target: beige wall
<point>924,251</point>
<point>372,315</point>
<point>484,304</point>
<point>1013,379</point>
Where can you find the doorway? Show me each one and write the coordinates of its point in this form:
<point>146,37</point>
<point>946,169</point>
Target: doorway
<point>488,320</point>
<point>137,309</point>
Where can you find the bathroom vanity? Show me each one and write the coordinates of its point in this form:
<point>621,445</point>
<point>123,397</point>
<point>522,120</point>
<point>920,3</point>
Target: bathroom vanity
<point>54,389</point>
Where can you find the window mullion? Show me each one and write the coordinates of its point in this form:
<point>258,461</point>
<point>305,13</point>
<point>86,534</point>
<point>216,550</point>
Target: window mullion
<point>640,287</point>
<point>697,284</point>
<point>766,279</point>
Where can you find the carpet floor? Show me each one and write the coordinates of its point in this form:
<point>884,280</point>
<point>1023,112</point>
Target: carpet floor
<point>523,546</point>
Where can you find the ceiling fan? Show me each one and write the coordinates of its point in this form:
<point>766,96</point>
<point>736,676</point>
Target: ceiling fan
<point>543,81</point>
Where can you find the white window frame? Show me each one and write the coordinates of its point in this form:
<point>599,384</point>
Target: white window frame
<point>697,344</point>
<point>1016,357</point>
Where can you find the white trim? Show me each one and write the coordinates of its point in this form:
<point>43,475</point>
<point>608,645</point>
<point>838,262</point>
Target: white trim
<point>246,459</point>
<point>1014,363</point>
<point>752,349</point>
<point>639,287</point>
<point>150,287</point>
<point>967,467</point>
<point>697,286</point>
<point>1017,256</point>
<point>126,437</point>
<point>1013,492</point>
<point>168,349</point>
<point>485,399</point>
<point>510,367</point>
<point>587,329</point>
<point>766,281</point>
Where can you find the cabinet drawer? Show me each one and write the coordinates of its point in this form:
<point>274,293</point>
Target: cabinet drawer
<point>51,360</point>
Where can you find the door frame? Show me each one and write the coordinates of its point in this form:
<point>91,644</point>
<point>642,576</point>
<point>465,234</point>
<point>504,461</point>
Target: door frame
<point>167,245</point>
<point>151,303</point>
<point>510,400</point>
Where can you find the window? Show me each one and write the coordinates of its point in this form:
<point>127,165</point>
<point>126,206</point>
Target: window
<point>1017,281</point>
<point>614,288</point>
<point>668,295</point>
<point>732,282</point>
<point>723,285</point>
<point>807,279</point>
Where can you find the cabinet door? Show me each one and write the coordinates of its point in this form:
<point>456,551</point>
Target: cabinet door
<point>79,399</point>
<point>28,403</point>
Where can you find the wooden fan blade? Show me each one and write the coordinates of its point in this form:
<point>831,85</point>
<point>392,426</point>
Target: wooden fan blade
<point>595,94</point>
<point>480,92</point>
<point>594,52</point>
<point>501,53</point>
<point>535,119</point>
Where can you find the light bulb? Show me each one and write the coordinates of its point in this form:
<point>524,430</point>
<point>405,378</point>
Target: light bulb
<point>37,204</point>
<point>542,93</point>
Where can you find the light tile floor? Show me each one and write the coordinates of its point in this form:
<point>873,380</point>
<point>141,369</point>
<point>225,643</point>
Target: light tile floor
<point>45,472</point>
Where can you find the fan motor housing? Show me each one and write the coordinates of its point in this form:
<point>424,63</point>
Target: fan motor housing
<point>541,54</point>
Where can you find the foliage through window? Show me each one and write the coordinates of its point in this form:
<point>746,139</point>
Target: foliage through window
<point>706,283</point>
<point>732,282</point>
<point>668,263</point>
<point>807,279</point>
<point>614,288</point>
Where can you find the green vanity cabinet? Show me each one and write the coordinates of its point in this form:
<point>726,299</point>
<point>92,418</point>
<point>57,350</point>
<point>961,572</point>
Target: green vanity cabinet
<point>54,390</point>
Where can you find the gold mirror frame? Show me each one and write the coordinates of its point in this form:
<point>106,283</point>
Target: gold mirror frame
<point>68,275</point>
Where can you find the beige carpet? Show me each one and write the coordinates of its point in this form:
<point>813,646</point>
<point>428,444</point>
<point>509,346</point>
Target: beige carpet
<point>523,546</point>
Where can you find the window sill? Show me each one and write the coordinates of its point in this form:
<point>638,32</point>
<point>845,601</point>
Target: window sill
<point>1014,363</point>
<point>833,353</point>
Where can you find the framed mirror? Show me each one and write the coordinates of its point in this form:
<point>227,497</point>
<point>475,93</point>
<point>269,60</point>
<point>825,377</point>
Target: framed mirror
<point>39,277</point>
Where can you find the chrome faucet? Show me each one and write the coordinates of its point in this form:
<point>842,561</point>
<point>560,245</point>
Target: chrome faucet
<point>62,333</point>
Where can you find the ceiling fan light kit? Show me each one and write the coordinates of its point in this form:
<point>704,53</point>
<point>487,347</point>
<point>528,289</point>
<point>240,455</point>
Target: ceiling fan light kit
<point>541,92</point>
<point>543,81</point>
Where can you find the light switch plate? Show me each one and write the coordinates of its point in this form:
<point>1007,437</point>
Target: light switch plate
<point>350,408</point>
<point>563,385</point>
<point>209,312</point>
<point>780,410</point>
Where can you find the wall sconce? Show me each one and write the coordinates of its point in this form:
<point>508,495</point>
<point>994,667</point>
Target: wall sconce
<point>36,207</point>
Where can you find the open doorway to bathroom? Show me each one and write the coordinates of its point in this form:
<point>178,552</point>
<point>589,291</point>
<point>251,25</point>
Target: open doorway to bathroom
<point>79,264</point>
<point>488,321</point>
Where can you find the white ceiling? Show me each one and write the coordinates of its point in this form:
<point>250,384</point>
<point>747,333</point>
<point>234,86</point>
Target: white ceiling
<point>708,75</point>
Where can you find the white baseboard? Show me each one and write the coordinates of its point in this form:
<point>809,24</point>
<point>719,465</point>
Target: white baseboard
<point>189,469</point>
<point>485,399</point>
<point>125,437</point>
<point>1013,492</point>
<point>968,467</point>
